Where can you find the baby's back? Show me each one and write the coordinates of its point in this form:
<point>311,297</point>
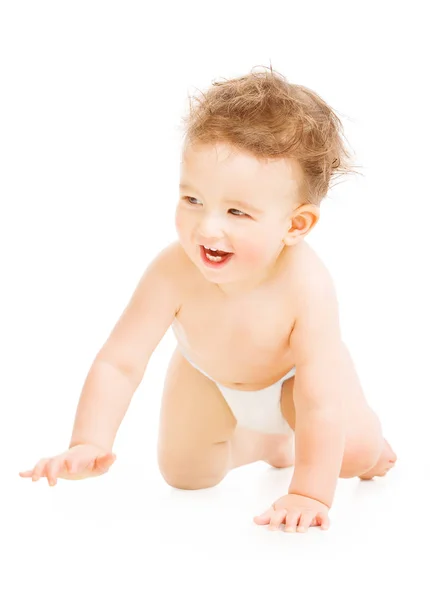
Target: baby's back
<point>241,342</point>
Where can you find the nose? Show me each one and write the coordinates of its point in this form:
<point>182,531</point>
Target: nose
<point>211,227</point>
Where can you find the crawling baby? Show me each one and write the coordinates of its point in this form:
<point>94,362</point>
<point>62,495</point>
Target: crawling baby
<point>260,370</point>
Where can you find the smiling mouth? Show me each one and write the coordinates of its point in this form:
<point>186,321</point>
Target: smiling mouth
<point>215,258</point>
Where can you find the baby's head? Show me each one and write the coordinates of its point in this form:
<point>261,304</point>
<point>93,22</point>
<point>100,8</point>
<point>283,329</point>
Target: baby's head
<point>259,156</point>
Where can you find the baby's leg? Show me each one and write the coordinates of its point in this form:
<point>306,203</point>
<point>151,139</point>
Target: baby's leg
<point>367,454</point>
<point>386,461</point>
<point>250,446</point>
<point>199,442</point>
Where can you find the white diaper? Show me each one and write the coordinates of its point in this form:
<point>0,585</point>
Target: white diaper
<point>260,409</point>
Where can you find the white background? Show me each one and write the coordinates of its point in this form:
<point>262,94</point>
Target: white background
<point>92,94</point>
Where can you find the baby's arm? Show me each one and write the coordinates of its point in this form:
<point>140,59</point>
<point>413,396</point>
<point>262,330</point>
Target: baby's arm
<point>119,366</point>
<point>116,372</point>
<point>322,381</point>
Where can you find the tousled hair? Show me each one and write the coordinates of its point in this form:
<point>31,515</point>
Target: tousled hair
<point>262,114</point>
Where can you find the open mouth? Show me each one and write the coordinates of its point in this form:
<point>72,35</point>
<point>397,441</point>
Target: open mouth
<point>215,259</point>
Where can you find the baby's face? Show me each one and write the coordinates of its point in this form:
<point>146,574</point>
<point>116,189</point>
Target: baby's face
<point>231,201</point>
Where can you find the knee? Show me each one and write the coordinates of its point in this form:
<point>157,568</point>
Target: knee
<point>184,474</point>
<point>183,480</point>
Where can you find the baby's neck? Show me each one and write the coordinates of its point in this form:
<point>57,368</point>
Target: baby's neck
<point>236,290</point>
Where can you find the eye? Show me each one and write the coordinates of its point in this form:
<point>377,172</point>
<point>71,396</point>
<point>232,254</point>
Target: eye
<point>189,198</point>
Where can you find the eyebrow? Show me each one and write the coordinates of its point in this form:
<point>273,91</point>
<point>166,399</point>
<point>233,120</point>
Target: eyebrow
<point>187,186</point>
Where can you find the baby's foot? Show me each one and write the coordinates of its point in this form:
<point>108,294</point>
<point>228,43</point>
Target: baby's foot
<point>280,451</point>
<point>386,461</point>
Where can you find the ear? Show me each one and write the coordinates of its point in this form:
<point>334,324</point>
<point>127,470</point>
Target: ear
<point>300,223</point>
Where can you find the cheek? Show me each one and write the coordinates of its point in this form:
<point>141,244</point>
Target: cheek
<point>250,253</point>
<point>179,220</point>
<point>257,249</point>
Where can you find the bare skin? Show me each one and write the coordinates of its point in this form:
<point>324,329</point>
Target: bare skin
<point>247,324</point>
<point>272,307</point>
<point>199,441</point>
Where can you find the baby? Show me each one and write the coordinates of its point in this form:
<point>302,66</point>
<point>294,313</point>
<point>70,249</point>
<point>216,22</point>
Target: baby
<point>260,371</point>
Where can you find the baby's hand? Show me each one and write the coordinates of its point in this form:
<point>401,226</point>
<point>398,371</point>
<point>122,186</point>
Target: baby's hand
<point>295,510</point>
<point>78,462</point>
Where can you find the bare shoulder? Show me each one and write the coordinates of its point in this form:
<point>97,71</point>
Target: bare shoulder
<point>310,278</point>
<point>316,328</point>
<point>171,261</point>
<point>175,261</point>
<point>151,309</point>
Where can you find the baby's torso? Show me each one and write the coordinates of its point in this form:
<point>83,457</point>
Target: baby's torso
<point>241,343</point>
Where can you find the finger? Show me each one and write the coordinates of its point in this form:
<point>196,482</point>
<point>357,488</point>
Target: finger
<point>39,469</point>
<point>26,473</point>
<point>305,522</point>
<point>71,465</point>
<point>82,465</point>
<point>72,469</point>
<point>291,521</point>
<point>53,469</point>
<point>264,518</point>
<point>323,520</point>
<point>278,517</point>
<point>103,463</point>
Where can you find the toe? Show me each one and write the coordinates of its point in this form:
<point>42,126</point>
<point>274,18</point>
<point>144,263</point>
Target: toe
<point>389,453</point>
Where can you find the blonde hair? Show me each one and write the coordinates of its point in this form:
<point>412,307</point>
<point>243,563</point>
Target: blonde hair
<point>263,114</point>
